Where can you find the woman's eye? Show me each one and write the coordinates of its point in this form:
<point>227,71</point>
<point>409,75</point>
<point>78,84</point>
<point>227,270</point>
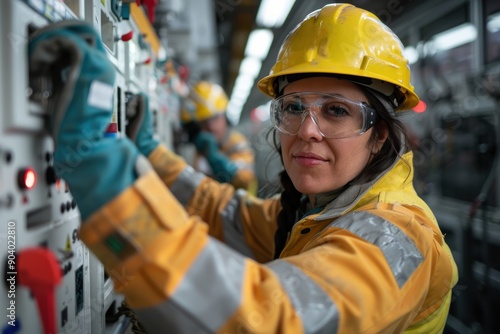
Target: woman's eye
<point>293,108</point>
<point>337,110</point>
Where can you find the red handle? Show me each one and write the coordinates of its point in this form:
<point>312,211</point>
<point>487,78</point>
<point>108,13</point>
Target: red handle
<point>38,270</point>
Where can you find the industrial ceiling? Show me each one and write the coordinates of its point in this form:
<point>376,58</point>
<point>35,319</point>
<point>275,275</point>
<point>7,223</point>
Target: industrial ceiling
<point>220,59</point>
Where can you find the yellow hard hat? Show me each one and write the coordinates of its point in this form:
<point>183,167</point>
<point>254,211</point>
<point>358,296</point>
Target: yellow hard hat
<point>345,41</point>
<point>206,100</point>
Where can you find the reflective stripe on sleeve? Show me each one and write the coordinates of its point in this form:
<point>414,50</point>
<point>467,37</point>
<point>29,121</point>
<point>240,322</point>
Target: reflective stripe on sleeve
<point>317,311</point>
<point>232,225</point>
<point>186,183</point>
<point>244,165</point>
<point>239,147</point>
<point>208,296</point>
<point>400,251</point>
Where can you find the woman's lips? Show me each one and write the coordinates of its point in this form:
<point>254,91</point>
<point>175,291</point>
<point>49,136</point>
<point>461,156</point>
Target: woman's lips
<point>308,159</point>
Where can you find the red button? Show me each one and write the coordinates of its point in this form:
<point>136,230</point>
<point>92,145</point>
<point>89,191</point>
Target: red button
<point>26,178</point>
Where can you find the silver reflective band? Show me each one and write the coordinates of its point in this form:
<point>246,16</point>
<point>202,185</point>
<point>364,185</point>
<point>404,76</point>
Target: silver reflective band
<point>243,165</point>
<point>239,147</point>
<point>206,299</point>
<point>234,234</point>
<point>317,311</point>
<point>335,116</point>
<point>186,183</point>
<point>401,253</point>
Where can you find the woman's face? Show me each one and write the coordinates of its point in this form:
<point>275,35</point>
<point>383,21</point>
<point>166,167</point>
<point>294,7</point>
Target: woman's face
<point>216,125</point>
<point>316,164</point>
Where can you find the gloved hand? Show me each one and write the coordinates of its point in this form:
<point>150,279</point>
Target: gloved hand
<point>223,168</point>
<point>192,129</point>
<point>140,125</point>
<point>96,168</point>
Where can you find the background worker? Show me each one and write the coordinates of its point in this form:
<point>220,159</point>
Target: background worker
<point>347,247</point>
<point>222,152</point>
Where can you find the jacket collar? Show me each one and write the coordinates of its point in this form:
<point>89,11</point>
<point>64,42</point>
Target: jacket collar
<point>398,176</point>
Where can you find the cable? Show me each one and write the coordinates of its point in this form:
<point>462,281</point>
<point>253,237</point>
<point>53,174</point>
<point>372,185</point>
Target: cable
<point>125,310</point>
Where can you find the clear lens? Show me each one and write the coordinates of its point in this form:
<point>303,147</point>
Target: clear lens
<point>335,116</point>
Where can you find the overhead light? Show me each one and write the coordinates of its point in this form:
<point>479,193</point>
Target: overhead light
<point>259,43</point>
<point>233,112</point>
<point>250,66</point>
<point>243,84</point>
<point>452,38</point>
<point>272,13</point>
<point>493,24</point>
<point>411,54</point>
<point>242,87</point>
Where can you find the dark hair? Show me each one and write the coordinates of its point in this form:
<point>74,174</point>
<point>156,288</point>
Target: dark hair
<point>395,144</point>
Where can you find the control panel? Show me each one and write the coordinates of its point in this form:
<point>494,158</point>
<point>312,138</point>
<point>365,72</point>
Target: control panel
<point>51,283</point>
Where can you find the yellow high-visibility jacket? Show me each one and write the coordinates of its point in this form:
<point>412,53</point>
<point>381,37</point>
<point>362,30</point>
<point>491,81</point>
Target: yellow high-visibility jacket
<point>237,149</point>
<point>373,261</point>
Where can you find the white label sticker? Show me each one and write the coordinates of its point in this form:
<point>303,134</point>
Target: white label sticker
<point>101,95</point>
<point>78,256</point>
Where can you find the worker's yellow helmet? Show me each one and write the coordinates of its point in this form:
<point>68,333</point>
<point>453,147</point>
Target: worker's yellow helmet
<point>206,100</point>
<point>345,41</point>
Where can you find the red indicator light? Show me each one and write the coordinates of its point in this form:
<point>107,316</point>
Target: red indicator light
<point>26,178</point>
<point>420,107</point>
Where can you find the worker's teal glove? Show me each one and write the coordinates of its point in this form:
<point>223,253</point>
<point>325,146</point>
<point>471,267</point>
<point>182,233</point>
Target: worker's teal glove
<point>222,167</point>
<point>70,55</point>
<point>140,124</point>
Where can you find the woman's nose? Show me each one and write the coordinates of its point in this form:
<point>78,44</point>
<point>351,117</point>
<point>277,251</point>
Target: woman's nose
<point>309,129</point>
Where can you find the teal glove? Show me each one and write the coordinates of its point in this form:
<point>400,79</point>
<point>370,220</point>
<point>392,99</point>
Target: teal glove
<point>223,168</point>
<point>140,124</point>
<point>71,56</point>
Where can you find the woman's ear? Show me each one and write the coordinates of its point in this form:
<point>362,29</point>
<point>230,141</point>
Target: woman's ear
<point>380,138</point>
<point>383,133</point>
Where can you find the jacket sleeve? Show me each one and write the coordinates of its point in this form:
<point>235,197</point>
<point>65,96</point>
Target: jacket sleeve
<point>177,277</point>
<point>231,214</point>
<point>240,152</point>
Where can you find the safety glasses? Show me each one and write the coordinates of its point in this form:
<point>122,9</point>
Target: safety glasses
<point>335,116</point>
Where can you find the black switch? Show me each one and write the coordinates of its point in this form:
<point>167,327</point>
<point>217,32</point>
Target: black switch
<point>50,175</point>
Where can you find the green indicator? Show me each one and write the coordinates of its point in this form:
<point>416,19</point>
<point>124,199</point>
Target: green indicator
<point>115,244</point>
<point>119,245</point>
